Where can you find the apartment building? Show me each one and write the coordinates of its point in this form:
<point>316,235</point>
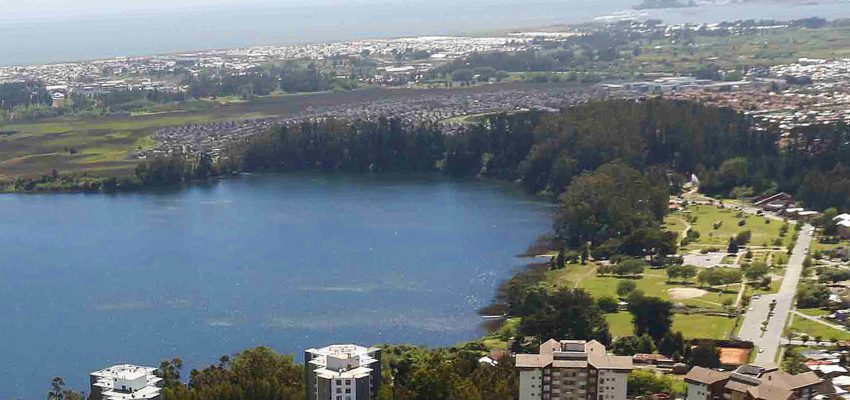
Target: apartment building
<point>125,382</point>
<point>342,372</point>
<point>751,382</point>
<point>572,370</point>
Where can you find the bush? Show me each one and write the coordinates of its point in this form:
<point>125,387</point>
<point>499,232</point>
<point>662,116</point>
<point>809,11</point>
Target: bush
<point>608,304</point>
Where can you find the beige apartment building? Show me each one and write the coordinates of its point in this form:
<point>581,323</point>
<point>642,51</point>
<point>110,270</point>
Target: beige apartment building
<point>572,370</point>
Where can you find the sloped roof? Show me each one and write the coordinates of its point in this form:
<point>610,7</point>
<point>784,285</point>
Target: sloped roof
<point>705,375</point>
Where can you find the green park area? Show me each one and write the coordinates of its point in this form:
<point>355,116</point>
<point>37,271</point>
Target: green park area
<point>712,227</point>
<point>813,329</point>
<point>691,325</point>
<point>654,282</point>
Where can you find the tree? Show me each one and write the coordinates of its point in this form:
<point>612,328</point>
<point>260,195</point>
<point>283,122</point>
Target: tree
<point>646,383</point>
<point>608,304</point>
<point>463,75</point>
<point>705,355</point>
<point>812,296</point>
<point>733,246</point>
<point>58,391</point>
<point>631,345</point>
<point>756,271</point>
<point>685,272</point>
<point>630,267</point>
<point>625,287</point>
<point>651,315</point>
<point>566,313</point>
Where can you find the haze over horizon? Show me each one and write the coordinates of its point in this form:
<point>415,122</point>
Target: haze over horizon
<point>47,31</point>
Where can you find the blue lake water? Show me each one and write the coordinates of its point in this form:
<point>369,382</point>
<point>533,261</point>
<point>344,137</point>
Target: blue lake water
<point>290,262</point>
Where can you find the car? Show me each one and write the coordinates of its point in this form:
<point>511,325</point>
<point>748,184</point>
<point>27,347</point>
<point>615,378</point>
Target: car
<point>761,350</point>
<point>751,309</point>
<point>758,296</point>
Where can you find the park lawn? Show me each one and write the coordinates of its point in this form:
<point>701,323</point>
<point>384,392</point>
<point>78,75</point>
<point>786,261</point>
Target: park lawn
<point>814,312</point>
<point>620,324</point>
<point>764,230</point>
<point>652,283</point>
<point>818,246</point>
<point>675,223</point>
<point>814,329</point>
<point>692,326</point>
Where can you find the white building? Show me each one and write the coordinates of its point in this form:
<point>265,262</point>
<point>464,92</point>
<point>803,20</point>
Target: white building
<point>574,370</point>
<point>125,382</point>
<point>342,372</point>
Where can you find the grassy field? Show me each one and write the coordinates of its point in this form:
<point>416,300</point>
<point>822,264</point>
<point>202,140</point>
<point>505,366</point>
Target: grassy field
<point>764,231</point>
<point>652,283</point>
<point>691,325</point>
<point>733,52</point>
<point>814,329</point>
<point>100,145</point>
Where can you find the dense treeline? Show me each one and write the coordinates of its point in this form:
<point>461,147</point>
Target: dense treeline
<point>647,148</point>
<point>291,77</point>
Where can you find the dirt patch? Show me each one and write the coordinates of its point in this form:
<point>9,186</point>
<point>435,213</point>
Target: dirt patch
<point>686,293</point>
<point>733,356</point>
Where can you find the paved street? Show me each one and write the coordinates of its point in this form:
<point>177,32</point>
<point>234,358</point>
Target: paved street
<point>751,328</point>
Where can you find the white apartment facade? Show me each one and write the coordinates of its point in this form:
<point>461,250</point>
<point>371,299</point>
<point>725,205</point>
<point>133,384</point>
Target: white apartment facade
<point>125,382</point>
<point>573,370</point>
<point>342,372</point>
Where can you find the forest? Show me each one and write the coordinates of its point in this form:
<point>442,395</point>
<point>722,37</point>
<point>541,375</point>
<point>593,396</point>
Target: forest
<point>611,163</point>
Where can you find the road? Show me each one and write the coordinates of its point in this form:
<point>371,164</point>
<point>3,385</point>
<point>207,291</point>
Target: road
<point>769,342</point>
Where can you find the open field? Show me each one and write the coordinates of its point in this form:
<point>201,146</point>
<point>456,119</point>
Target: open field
<point>652,283</point>
<point>815,329</point>
<point>731,52</point>
<point>691,325</point>
<point>100,145</point>
<point>716,225</point>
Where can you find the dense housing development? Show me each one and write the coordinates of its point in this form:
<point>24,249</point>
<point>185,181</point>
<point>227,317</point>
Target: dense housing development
<point>572,369</point>
<point>342,372</point>
<point>124,382</point>
<point>750,382</point>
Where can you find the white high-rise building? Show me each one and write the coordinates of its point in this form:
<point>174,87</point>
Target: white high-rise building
<point>342,372</point>
<point>125,382</point>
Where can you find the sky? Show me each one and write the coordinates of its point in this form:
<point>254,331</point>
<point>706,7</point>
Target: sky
<point>58,9</point>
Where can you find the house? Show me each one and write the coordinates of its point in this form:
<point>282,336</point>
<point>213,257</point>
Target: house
<point>572,369</point>
<point>782,199</point>
<point>125,382</point>
<point>751,382</point>
<point>842,222</point>
<point>706,384</point>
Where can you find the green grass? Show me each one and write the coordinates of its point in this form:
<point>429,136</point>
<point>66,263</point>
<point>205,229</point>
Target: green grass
<point>691,325</point>
<point>763,233</point>
<point>652,283</point>
<point>620,324</point>
<point>814,329</point>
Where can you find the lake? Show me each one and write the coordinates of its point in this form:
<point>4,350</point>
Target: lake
<point>291,262</point>
<point>66,35</point>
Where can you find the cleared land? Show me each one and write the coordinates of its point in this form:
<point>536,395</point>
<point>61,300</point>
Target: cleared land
<point>730,52</point>
<point>100,145</point>
<point>691,325</point>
